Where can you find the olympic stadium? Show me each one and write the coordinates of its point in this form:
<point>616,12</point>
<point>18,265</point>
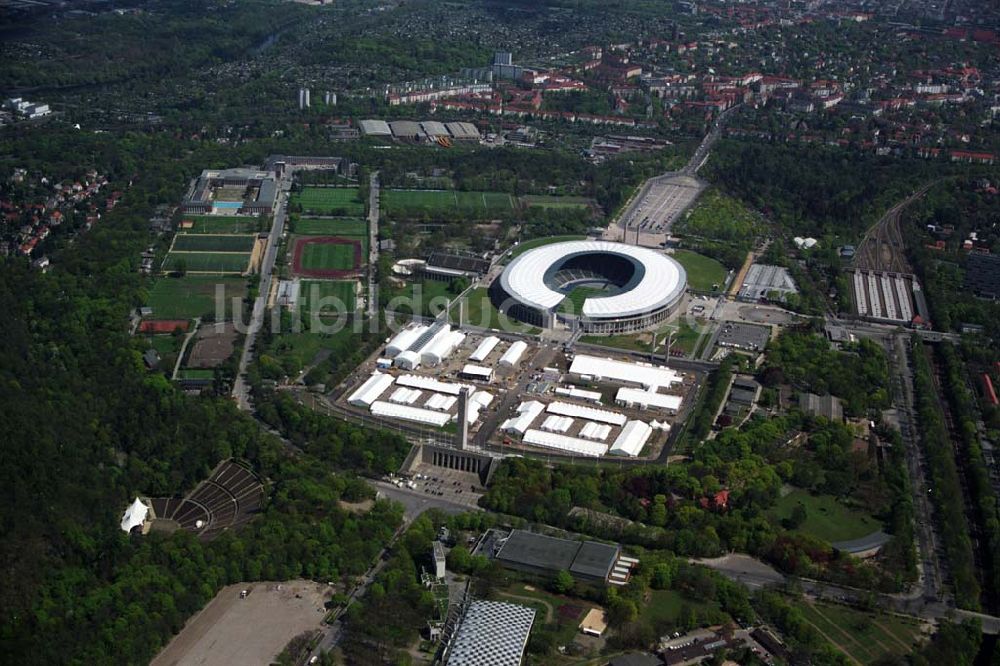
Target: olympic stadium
<point>598,287</point>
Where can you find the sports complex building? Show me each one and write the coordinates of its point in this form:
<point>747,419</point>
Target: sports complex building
<point>626,288</point>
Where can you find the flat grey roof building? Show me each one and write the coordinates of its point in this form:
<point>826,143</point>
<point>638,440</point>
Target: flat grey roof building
<point>767,282</point>
<point>375,128</point>
<point>406,129</point>
<point>587,561</point>
<point>492,633</point>
<point>826,406</point>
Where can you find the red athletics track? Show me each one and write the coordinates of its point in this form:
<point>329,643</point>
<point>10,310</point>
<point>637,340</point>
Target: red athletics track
<point>300,246</point>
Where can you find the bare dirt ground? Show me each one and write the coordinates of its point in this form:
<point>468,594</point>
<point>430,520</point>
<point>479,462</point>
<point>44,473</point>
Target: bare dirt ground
<point>213,345</point>
<point>230,630</point>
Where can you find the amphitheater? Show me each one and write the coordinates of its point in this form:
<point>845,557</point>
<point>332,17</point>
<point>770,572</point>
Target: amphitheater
<point>599,287</point>
<point>231,496</point>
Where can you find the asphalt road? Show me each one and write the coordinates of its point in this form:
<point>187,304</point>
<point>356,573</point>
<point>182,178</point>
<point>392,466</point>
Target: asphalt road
<point>241,390</point>
<point>373,213</point>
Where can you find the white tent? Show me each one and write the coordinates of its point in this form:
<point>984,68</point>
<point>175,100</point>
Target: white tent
<point>135,515</point>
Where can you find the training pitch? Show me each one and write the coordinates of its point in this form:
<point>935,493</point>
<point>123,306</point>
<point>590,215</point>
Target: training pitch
<point>327,256</point>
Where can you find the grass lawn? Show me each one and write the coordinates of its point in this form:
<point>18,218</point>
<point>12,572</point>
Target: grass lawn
<point>213,243</point>
<point>864,636</point>
<point>702,271</point>
<point>299,349</point>
<point>337,294</point>
<point>342,200</point>
<point>196,373</point>
<point>208,262</point>
<point>222,224</point>
<point>826,518</point>
<point>473,204</point>
<point>544,201</point>
<point>685,339</point>
<point>328,256</point>
<point>418,297</point>
<point>192,296</point>
<point>573,303</point>
<point>343,226</point>
<point>719,217</point>
<point>164,344</point>
<point>521,248</point>
<point>547,606</point>
<point>664,607</point>
<point>479,311</point>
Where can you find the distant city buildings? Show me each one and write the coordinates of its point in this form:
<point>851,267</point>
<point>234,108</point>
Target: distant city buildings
<point>25,109</point>
<point>303,99</point>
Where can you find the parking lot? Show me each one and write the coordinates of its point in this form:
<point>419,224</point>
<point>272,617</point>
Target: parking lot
<point>662,201</point>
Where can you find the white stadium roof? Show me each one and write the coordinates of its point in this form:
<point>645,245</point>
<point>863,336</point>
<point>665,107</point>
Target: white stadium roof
<point>632,438</point>
<point>659,279</point>
<point>551,440</point>
<point>643,374</point>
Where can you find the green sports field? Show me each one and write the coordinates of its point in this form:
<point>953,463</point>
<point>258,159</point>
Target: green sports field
<point>545,201</point>
<point>702,272</point>
<point>573,303</point>
<point>328,256</point>
<point>193,295</point>
<point>212,243</point>
<point>344,226</point>
<point>402,203</point>
<point>341,200</point>
<point>220,224</point>
<point>208,262</point>
<point>332,297</point>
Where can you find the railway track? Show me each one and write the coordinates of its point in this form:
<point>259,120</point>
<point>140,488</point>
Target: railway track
<point>883,249</point>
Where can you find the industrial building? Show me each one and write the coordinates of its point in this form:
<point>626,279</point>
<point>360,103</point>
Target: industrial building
<point>625,372</point>
<point>982,275</point>
<point>378,128</point>
<point>245,192</point>
<point>484,349</point>
<point>767,283</point>
<point>587,561</point>
<point>644,286</point>
<point>491,633</point>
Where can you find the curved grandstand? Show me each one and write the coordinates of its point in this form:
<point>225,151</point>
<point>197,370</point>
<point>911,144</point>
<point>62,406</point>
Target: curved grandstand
<point>598,286</point>
<point>229,498</point>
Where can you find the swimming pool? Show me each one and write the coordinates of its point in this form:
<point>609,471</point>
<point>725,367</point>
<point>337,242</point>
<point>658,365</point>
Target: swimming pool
<point>228,205</point>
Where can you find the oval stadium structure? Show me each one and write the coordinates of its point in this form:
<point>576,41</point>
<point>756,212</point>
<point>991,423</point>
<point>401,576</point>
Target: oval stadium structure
<point>597,286</point>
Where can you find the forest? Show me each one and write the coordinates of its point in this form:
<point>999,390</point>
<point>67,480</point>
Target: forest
<point>672,506</point>
<point>86,429</point>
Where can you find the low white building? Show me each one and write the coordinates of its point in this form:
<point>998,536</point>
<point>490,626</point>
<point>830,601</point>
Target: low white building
<point>631,439</point>
<point>369,392</point>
